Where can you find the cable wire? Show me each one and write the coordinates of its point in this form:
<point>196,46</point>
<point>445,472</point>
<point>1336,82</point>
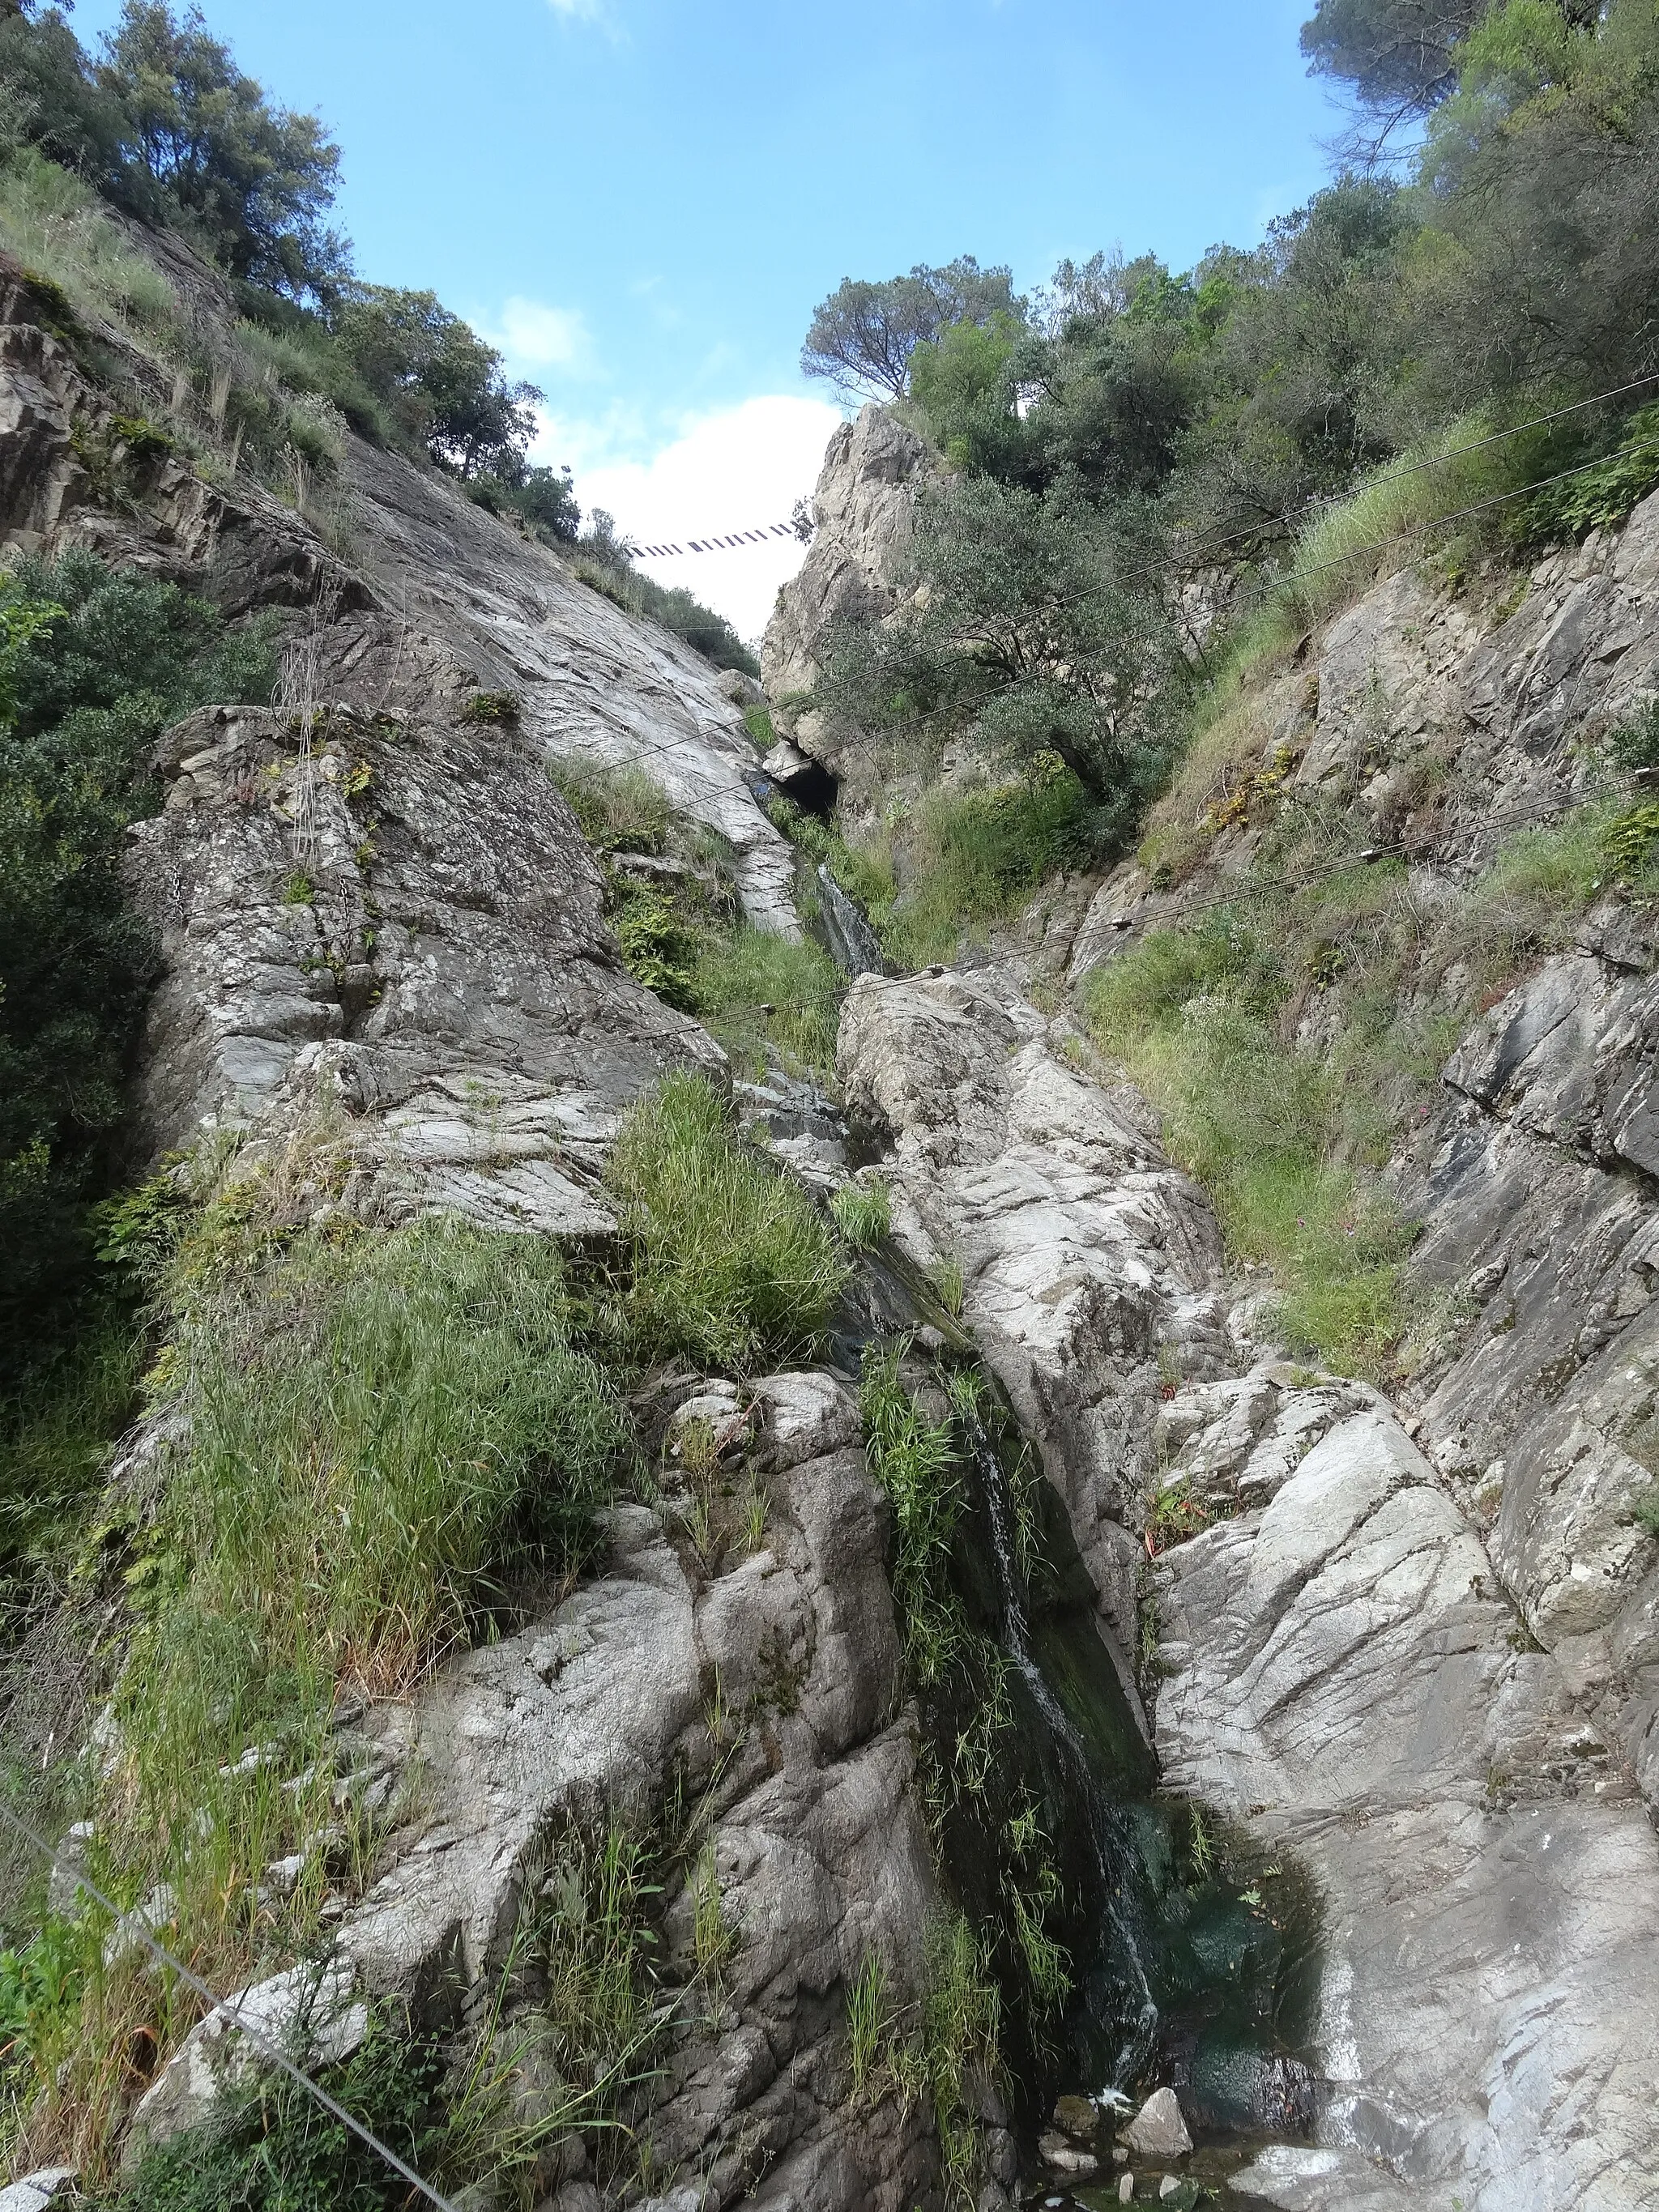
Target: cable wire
<point>264,2043</point>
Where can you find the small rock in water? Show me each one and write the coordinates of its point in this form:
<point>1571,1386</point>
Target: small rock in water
<point>1158,2129</point>
<point>1126,2189</point>
<point>1065,2158</point>
<point>1075,2116</point>
<point>1169,2186</point>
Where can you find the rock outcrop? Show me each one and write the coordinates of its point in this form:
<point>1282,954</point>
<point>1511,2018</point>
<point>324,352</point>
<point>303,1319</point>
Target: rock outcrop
<point>374,904</point>
<point>441,576</point>
<point>861,510</point>
<point>1338,1666</point>
<point>759,1695</point>
<point>400,923</point>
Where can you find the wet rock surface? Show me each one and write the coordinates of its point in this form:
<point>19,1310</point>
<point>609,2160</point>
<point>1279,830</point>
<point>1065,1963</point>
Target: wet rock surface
<point>1340,1668</point>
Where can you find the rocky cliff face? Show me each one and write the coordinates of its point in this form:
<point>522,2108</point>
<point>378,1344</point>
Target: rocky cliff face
<point>1338,1664</point>
<point>1418,1651</point>
<point>1414,1651</point>
<point>861,511</point>
<point>374,903</point>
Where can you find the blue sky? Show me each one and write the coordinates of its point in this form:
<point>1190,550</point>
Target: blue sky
<point>642,200</point>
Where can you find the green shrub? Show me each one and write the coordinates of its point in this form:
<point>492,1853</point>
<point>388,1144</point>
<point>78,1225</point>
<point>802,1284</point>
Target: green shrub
<point>491,707</point>
<point>1604,494</point>
<point>1189,1013</point>
<point>383,1428</point>
<point>387,1435</point>
<point>914,1459</point>
<point>763,995</point>
<point>656,945</point>
<point>272,2147</point>
<point>1634,744</point>
<point>1631,842</point>
<point>619,810</point>
<point>731,1264</point>
<point>967,859</point>
<point>94,665</point>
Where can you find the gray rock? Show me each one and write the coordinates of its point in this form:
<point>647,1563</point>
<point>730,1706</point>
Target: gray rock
<point>1346,1682</point>
<point>486,1068</point>
<point>310,2013</point>
<point>1158,2129</point>
<point>1083,1252</point>
<point>32,2192</point>
<point>861,509</point>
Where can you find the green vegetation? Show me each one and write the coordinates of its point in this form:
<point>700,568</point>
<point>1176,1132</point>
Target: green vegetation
<point>914,1459</point>
<point>863,1211</point>
<point>1288,1141</point>
<point>606,561</point>
<point>620,809</point>
<point>388,1444</point>
<point>732,1265</point>
<point>765,997</point>
<point>1290,420</point>
<point>273,2149</point>
<point>162,125</point>
<point>93,666</point>
<point>864,336</point>
<point>56,1430</point>
<point>943,2047</point>
<point>962,860</point>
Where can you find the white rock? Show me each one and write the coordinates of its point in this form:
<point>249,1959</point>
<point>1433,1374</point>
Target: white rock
<point>35,2190</point>
<point>309,2012</point>
<point>1158,2130</point>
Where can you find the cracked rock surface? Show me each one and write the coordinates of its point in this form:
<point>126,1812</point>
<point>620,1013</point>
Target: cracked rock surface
<point>1340,1668</point>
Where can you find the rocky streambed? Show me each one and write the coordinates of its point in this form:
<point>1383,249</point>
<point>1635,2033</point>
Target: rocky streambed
<point>1331,1662</point>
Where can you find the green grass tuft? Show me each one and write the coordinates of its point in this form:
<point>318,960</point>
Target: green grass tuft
<point>914,1459</point>
<point>762,997</point>
<point>733,1266</point>
<point>864,1213</point>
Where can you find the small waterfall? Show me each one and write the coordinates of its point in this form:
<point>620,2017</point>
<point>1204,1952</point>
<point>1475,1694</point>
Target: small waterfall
<point>1110,1847</point>
<point>1193,1956</point>
<point>852,942</point>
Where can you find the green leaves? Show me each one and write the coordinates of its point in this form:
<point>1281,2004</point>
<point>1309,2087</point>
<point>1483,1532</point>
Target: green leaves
<point>93,666</point>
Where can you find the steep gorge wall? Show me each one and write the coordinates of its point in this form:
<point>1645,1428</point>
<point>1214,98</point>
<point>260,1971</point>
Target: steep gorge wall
<point>390,918</point>
<point>1415,1647</point>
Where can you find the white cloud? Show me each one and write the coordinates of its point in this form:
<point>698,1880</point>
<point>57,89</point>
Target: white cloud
<point>578,11</point>
<point>534,336</point>
<point>741,469</point>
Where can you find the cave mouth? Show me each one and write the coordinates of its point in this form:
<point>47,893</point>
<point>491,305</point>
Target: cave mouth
<point>812,787</point>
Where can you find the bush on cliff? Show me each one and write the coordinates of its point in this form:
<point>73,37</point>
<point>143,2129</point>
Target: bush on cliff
<point>94,665</point>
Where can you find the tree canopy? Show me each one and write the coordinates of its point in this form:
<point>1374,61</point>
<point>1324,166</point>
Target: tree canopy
<point>863,336</point>
<point>450,386</point>
<point>166,125</point>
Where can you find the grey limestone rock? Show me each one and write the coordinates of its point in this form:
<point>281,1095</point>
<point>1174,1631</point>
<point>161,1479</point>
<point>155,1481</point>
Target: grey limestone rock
<point>1158,2129</point>
<point>790,1657</point>
<point>861,509</point>
<point>428,959</point>
<point>1084,1253</point>
<point>1341,1670</point>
